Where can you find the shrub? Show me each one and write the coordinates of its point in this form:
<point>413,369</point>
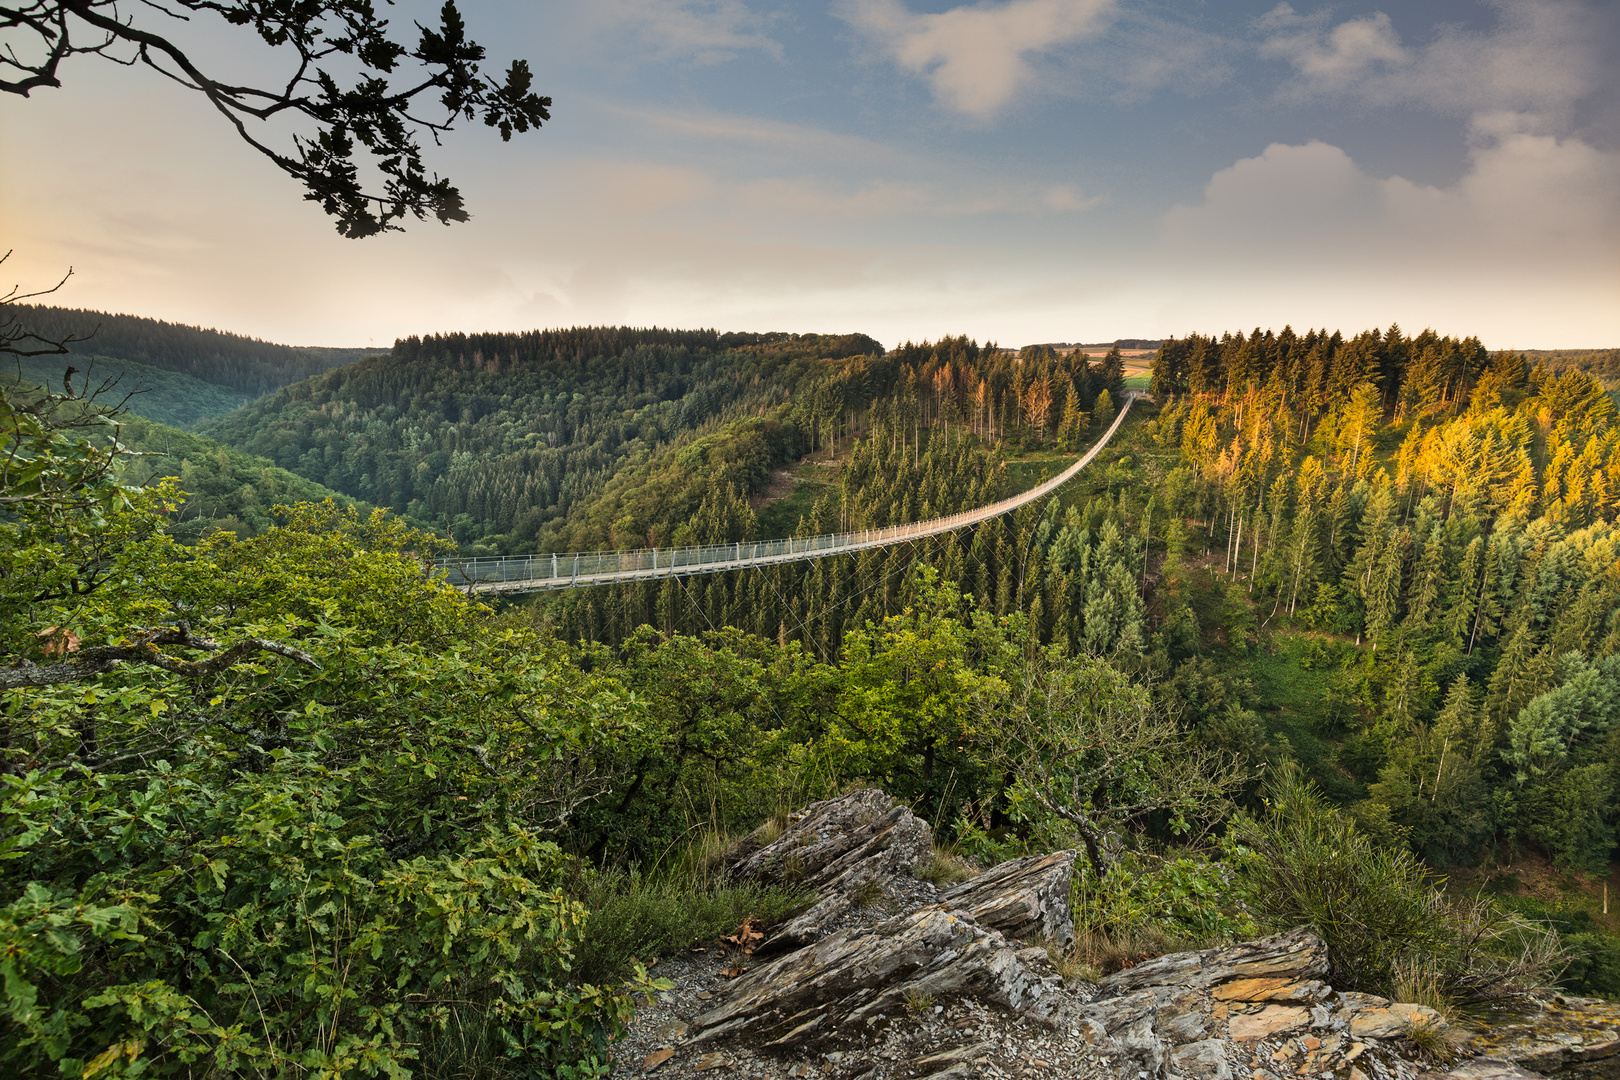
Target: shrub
<point>1186,900</point>
<point>1381,914</point>
<point>253,929</point>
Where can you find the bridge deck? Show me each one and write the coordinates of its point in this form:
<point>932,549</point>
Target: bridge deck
<point>535,573</point>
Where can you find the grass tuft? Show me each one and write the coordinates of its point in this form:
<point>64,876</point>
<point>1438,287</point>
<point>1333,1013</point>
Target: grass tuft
<point>1071,964</point>
<point>637,915</point>
<point>870,891</point>
<point>1432,1040</point>
<point>918,1002</point>
<point>945,867</point>
<point>1107,951</point>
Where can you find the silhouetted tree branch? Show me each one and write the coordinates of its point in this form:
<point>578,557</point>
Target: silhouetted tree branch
<point>368,109</point>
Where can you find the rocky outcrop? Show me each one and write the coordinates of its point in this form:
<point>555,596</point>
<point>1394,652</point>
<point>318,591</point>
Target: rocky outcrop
<point>1025,898</point>
<point>1556,1036</point>
<point>840,986</point>
<point>838,847</point>
<point>891,979</point>
<point>1285,960</point>
<point>1262,1005</point>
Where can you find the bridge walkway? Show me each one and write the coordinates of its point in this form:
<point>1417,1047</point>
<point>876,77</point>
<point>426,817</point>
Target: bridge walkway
<point>573,570</point>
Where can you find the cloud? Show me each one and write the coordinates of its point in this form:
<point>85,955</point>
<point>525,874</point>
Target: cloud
<point>975,57</point>
<point>1331,60</point>
<point>1540,58</point>
<point>706,31</point>
<point>1529,204</point>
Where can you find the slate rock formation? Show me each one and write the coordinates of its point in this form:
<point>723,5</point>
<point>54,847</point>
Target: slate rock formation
<point>850,980</point>
<point>837,847</point>
<point>1025,898</point>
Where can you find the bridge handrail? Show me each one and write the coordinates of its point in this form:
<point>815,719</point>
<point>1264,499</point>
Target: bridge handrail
<point>588,567</point>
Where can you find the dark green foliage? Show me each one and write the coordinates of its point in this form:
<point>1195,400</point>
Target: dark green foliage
<point>166,397</point>
<point>502,437</point>
<point>1382,915</point>
<point>223,488</point>
<point>325,860</point>
<point>247,365</point>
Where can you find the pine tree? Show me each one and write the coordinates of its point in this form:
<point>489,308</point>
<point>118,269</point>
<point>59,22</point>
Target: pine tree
<point>1102,414</point>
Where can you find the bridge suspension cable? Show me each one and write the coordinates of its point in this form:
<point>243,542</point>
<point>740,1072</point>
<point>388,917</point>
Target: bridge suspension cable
<point>577,569</point>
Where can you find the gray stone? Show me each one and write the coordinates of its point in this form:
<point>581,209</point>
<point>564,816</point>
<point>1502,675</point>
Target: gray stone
<point>1023,898</point>
<point>960,1071</point>
<point>835,847</point>
<point>850,979</point>
<point>956,1056</point>
<point>1206,1059</point>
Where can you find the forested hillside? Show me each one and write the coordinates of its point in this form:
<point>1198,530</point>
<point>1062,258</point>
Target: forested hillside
<point>167,397</point>
<point>504,438</point>
<point>244,364</point>
<point>1330,614</point>
<point>1367,554</point>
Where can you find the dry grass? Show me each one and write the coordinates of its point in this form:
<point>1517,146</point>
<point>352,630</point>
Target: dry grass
<point>1109,951</point>
<point>1419,984</point>
<point>769,830</point>
<point>1071,965</point>
<point>1433,1040</point>
<point>870,891</point>
<point>945,867</point>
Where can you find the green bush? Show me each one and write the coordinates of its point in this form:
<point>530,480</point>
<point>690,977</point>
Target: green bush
<point>252,928</point>
<point>1383,917</point>
<point>299,827</point>
<point>1187,899</point>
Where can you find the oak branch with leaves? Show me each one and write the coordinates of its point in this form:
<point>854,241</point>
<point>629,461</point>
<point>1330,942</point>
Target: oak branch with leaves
<point>1086,747</point>
<point>355,91</point>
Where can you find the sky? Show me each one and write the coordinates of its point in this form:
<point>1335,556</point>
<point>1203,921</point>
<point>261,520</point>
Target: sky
<point>1020,171</point>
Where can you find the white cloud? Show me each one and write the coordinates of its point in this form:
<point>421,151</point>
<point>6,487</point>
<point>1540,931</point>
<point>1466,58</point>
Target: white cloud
<point>1338,57</point>
<point>1531,227</point>
<point>975,57</point>
<point>1540,58</point>
<point>707,31</point>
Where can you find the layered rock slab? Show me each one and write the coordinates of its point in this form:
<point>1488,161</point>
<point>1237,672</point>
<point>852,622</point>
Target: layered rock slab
<point>1564,1037</point>
<point>836,847</point>
<point>1023,898</point>
<point>849,980</point>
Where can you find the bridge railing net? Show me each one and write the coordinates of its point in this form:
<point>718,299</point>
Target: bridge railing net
<point>576,565</point>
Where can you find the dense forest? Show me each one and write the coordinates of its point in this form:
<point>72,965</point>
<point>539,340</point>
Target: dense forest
<point>247,365</point>
<point>1329,614</point>
<point>506,439</point>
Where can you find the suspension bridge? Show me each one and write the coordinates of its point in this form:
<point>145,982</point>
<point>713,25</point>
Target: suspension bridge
<point>578,569</point>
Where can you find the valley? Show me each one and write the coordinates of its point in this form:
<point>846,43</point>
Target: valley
<point>1374,575</point>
